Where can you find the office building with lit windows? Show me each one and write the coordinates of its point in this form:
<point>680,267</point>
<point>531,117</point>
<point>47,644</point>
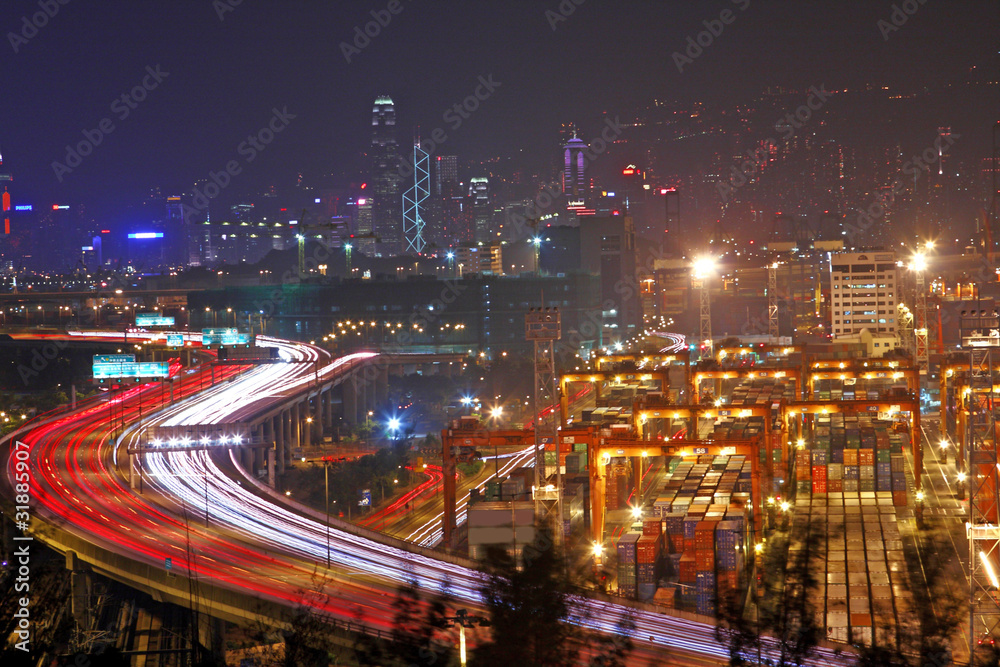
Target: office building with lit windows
<point>864,289</point>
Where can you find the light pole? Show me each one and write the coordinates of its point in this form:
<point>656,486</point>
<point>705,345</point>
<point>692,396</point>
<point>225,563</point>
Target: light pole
<point>496,413</point>
<point>918,266</point>
<point>464,620</point>
<point>326,466</point>
<point>702,269</point>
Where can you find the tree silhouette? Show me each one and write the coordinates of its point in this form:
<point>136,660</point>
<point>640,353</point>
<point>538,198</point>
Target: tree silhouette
<point>528,609</point>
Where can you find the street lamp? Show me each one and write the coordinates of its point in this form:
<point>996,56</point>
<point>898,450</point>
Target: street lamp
<point>702,269</point>
<point>921,354</point>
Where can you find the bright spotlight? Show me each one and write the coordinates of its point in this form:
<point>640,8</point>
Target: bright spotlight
<point>919,262</point>
<point>598,549</point>
<point>496,412</point>
<point>637,512</point>
<point>394,424</point>
<point>704,267</point>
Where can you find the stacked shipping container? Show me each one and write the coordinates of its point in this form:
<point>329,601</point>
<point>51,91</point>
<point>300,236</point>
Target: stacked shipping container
<point>699,537</point>
<point>851,454</point>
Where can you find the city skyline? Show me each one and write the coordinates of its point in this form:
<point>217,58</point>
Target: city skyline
<point>168,143</point>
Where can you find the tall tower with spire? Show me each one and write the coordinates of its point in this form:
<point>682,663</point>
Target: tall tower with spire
<point>575,186</point>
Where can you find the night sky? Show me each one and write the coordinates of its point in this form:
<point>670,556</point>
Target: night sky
<point>227,74</point>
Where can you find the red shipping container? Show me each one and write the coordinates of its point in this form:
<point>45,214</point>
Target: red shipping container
<point>835,485</point>
<point>689,545</point>
<point>819,486</point>
<point>652,527</point>
<point>899,498</point>
<point>648,549</point>
<point>704,535</point>
<point>819,472</point>
<point>705,560</point>
<point>688,569</point>
<point>866,457</point>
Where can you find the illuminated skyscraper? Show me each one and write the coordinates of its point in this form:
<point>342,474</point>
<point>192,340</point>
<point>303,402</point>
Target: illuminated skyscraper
<point>446,175</point>
<point>479,197</point>
<point>386,198</point>
<point>575,171</point>
<point>5,176</point>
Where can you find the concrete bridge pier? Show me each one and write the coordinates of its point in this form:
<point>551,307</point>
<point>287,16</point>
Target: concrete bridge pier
<point>350,389</point>
<point>212,636</point>
<point>381,386</point>
<point>81,586</point>
<point>280,433</point>
<point>326,409</point>
<point>296,415</point>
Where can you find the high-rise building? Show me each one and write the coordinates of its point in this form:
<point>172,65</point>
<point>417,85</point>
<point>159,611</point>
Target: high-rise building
<point>607,248</point>
<point>863,293</point>
<point>364,233</point>
<point>5,176</point>
<point>575,186</point>
<point>445,175</point>
<point>386,196</point>
<point>479,195</point>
